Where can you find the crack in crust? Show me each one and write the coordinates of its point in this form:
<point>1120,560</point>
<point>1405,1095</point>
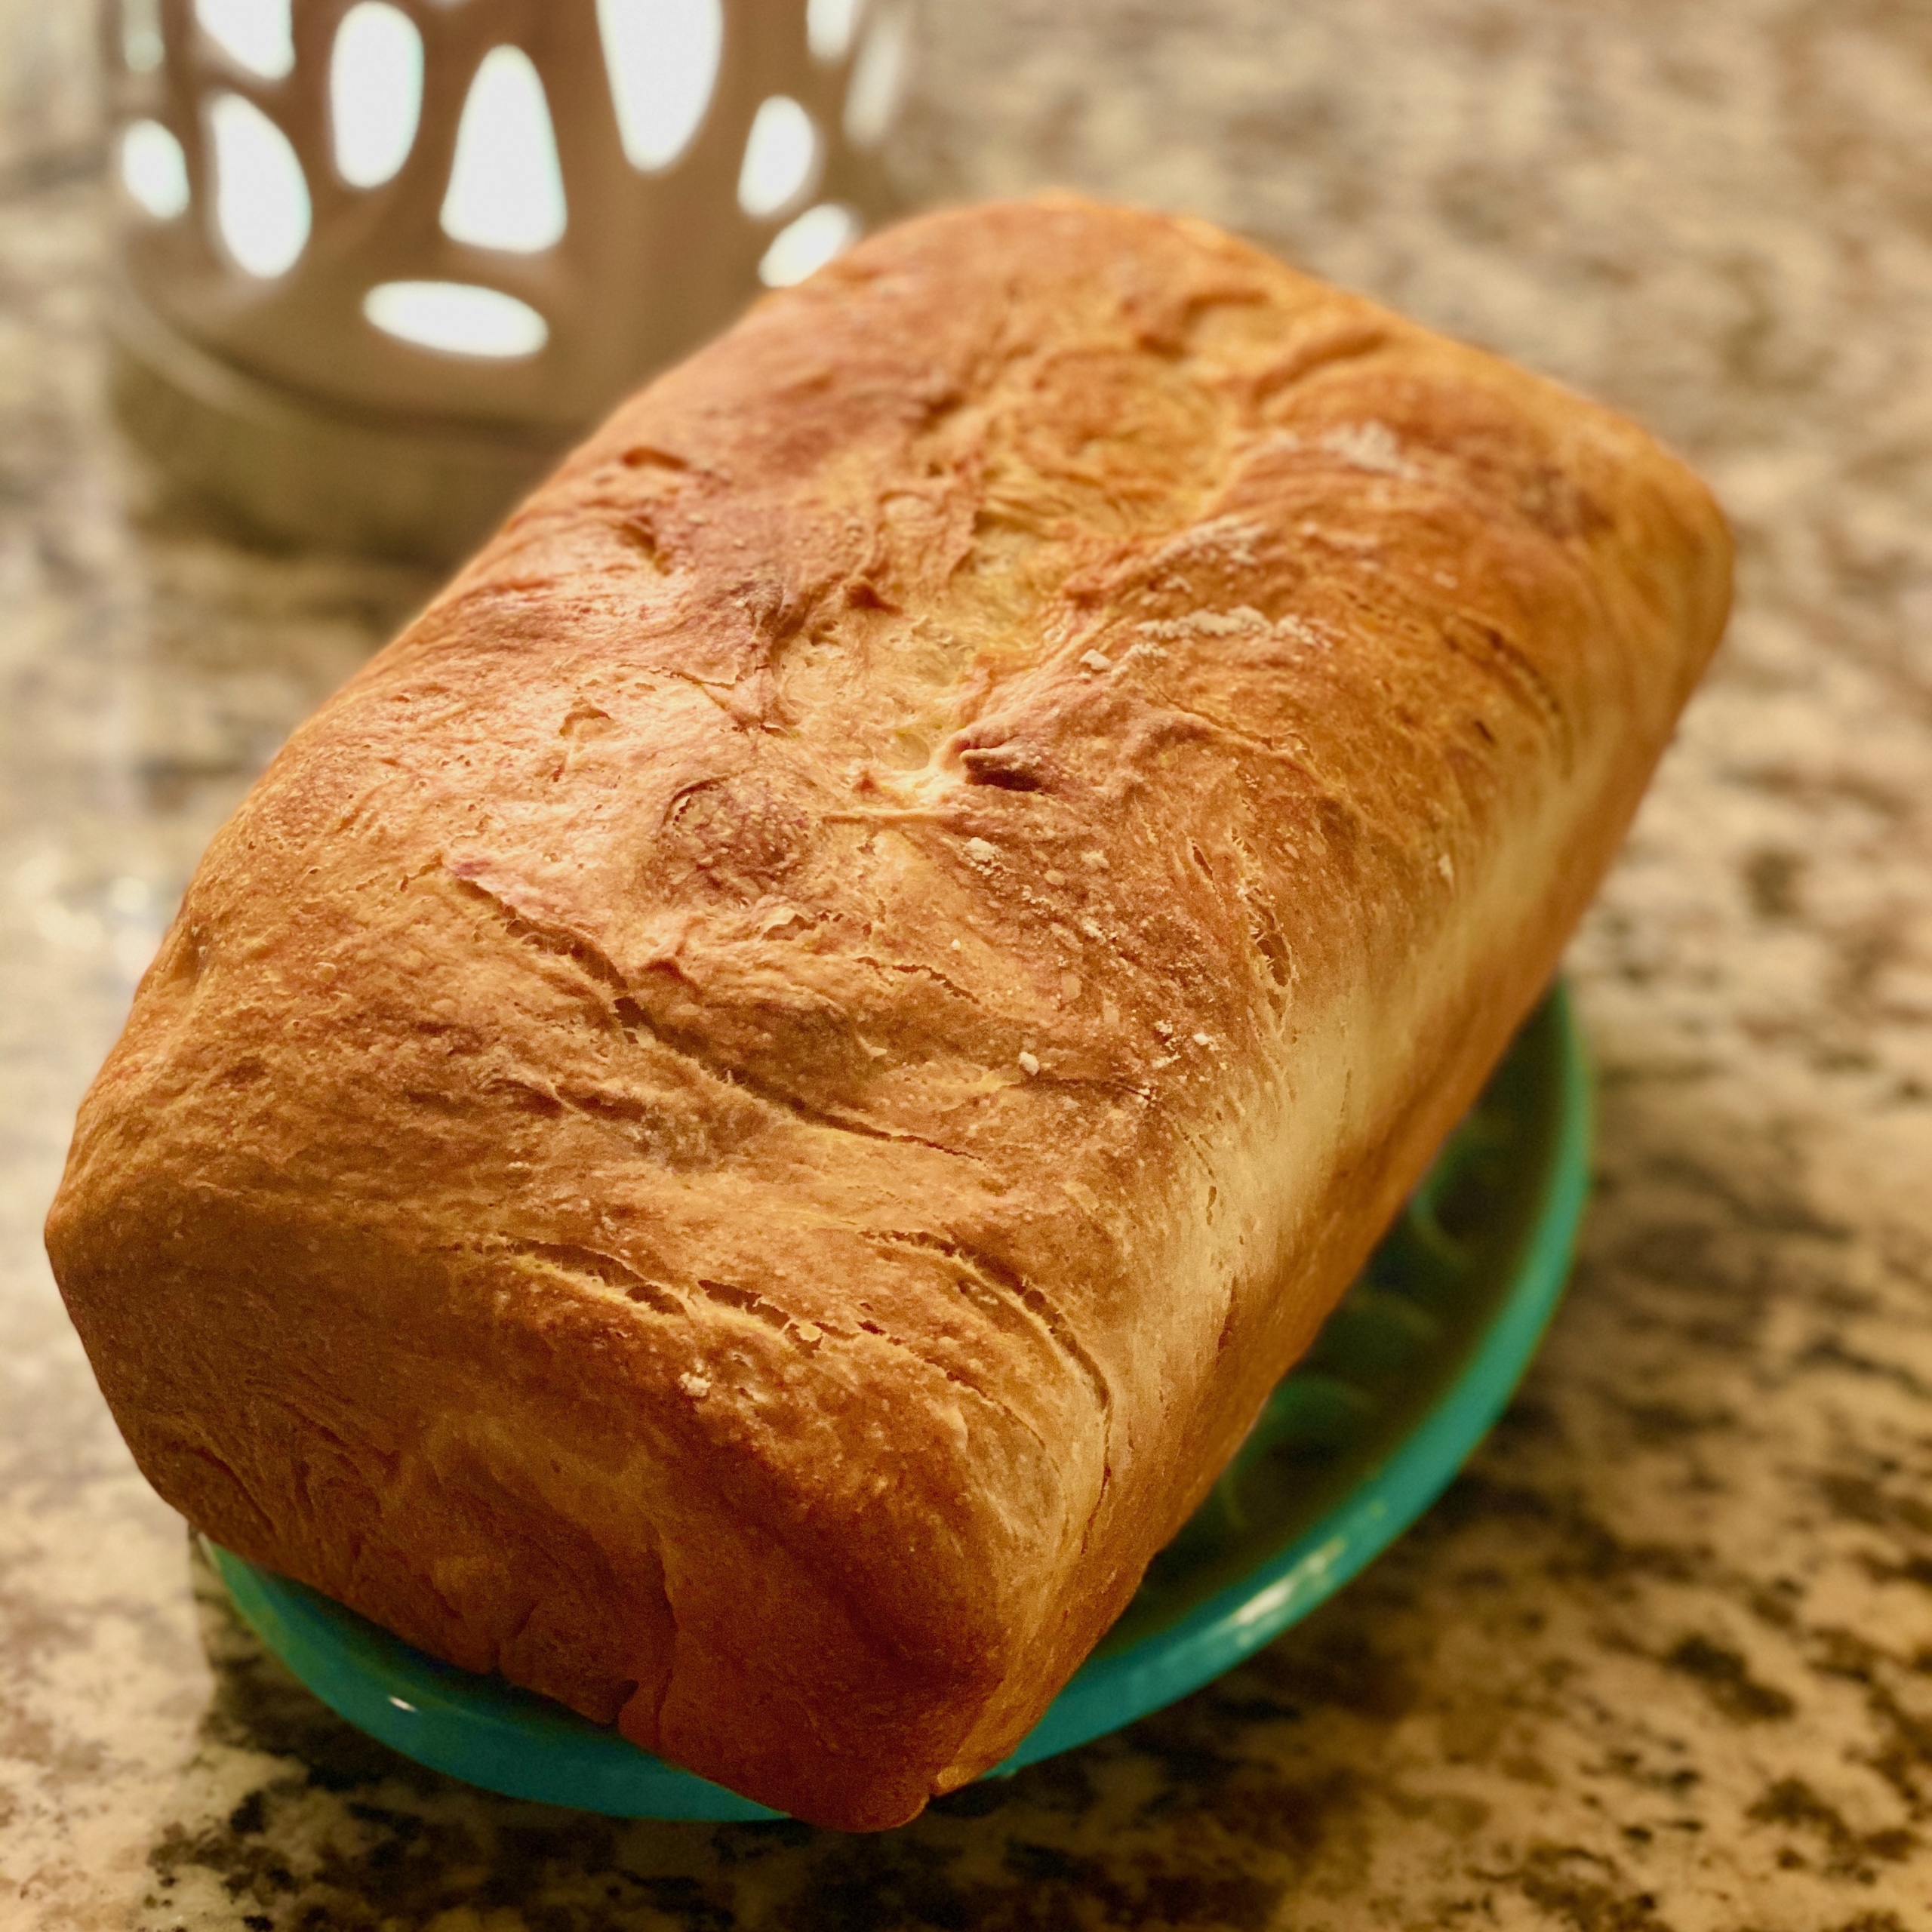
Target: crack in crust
<point>1006,1284</point>
<point>575,1258</point>
<point>629,1016</point>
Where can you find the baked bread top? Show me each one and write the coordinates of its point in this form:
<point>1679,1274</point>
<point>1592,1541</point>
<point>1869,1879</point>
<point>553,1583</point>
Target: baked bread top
<point>738,1127</point>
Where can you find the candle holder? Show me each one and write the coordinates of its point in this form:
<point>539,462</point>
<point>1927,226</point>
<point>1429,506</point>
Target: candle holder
<point>381,260</point>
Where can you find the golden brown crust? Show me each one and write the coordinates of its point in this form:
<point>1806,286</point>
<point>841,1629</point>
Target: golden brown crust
<point>739,1125</point>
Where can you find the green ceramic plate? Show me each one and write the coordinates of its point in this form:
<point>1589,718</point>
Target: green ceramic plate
<point>1403,1382</point>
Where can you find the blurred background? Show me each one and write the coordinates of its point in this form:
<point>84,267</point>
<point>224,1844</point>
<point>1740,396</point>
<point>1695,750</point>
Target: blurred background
<point>1663,1657</point>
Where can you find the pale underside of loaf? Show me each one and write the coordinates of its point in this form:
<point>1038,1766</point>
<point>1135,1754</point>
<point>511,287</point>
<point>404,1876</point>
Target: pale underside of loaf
<point>738,1127</point>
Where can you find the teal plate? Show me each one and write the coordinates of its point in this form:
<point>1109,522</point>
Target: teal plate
<point>1403,1382</point>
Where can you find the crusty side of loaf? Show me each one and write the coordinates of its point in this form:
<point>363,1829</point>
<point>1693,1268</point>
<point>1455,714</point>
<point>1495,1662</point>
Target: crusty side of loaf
<point>740,1123</point>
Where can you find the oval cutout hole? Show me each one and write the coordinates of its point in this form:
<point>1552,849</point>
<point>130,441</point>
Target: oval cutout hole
<point>375,92</point>
<point>456,318</point>
<point>154,170</point>
<point>879,77</point>
<point>261,197</point>
<point>141,45</point>
<point>255,34</point>
<point>808,244</point>
<point>830,25</point>
<point>781,158</point>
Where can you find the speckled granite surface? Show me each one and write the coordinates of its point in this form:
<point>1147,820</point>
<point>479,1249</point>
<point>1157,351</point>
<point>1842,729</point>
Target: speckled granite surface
<point>1663,1658</point>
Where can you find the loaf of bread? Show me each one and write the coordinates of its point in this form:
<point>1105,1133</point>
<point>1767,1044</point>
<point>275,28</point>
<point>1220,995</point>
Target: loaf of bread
<point>739,1125</point>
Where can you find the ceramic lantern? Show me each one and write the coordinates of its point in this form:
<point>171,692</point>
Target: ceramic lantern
<point>381,260</point>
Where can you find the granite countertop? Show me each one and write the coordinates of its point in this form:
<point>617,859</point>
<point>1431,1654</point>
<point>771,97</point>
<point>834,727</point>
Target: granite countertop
<point>1661,1661</point>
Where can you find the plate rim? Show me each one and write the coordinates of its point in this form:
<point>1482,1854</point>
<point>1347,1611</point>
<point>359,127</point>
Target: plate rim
<point>1249,1614</point>
<point>479,1729</point>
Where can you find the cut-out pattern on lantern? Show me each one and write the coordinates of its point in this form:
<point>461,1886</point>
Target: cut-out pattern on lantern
<point>262,209</point>
<point>807,245</point>
<point>781,158</point>
<point>457,317</point>
<point>830,25</point>
<point>440,237</point>
<point>879,75</point>
<point>662,58</point>
<point>375,92</point>
<point>257,35</point>
<point>506,187</point>
<point>141,45</point>
<point>153,169</point>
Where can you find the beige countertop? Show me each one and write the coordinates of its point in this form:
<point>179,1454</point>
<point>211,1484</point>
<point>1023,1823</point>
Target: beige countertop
<point>1661,1661</point>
